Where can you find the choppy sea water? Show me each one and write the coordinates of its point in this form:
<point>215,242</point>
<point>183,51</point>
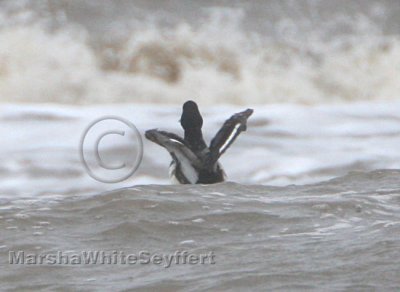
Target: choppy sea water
<point>337,235</point>
<point>283,221</point>
<point>216,51</point>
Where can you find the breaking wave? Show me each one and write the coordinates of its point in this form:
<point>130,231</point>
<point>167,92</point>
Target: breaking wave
<point>218,61</point>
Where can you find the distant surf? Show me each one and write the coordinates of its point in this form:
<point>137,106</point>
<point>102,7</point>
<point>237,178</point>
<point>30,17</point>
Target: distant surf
<point>227,55</point>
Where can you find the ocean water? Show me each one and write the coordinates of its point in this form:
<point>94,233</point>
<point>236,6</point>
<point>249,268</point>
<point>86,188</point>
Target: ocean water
<point>138,51</point>
<point>337,235</point>
<point>312,199</point>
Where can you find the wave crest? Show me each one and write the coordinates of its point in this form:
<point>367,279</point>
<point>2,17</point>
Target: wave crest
<point>218,62</point>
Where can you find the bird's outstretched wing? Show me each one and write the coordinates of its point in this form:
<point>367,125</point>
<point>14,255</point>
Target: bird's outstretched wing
<point>180,152</point>
<point>228,133</point>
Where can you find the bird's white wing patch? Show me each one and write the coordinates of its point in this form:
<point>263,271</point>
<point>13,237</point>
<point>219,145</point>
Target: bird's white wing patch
<point>187,169</point>
<point>176,141</point>
<point>231,136</point>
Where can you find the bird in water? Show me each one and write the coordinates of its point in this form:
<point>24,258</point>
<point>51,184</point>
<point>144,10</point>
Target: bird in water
<point>193,162</point>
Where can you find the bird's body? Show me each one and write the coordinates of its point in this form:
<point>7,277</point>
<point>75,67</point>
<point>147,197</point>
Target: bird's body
<point>186,174</point>
<point>193,161</point>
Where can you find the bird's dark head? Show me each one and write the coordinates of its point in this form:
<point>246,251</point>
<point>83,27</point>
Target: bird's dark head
<point>191,117</point>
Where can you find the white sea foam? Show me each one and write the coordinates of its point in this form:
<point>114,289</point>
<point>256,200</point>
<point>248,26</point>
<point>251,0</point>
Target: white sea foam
<point>283,144</point>
<point>219,61</point>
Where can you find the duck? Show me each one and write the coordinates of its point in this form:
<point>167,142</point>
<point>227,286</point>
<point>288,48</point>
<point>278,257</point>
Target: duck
<point>193,161</point>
